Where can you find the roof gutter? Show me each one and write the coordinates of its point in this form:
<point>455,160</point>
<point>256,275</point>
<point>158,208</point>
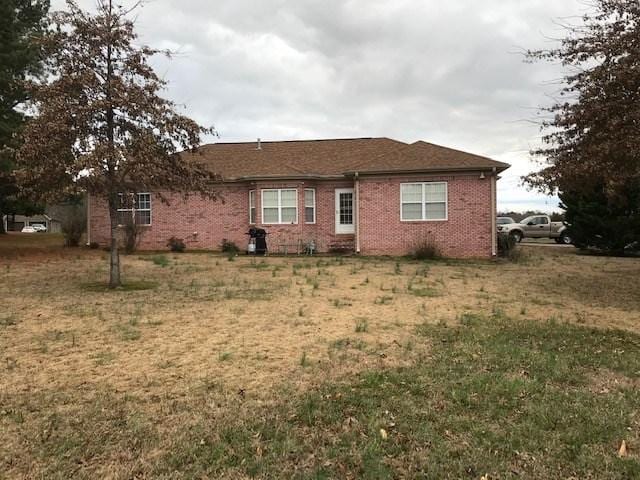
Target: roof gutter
<point>431,170</point>
<point>353,174</point>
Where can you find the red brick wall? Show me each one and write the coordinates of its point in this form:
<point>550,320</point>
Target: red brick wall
<point>200,222</point>
<point>204,223</point>
<point>228,218</point>
<point>466,233</point>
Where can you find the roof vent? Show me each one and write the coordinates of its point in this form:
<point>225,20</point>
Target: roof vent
<point>259,147</point>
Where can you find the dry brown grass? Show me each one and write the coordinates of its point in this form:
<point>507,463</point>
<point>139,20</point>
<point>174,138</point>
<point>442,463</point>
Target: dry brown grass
<point>254,325</point>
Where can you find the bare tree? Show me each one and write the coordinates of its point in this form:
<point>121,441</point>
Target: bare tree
<point>101,123</point>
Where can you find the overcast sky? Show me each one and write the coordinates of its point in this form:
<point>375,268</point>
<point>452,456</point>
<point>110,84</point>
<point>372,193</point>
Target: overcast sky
<point>447,72</point>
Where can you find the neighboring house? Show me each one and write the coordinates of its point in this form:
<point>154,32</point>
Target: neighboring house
<point>369,195</point>
<point>14,223</point>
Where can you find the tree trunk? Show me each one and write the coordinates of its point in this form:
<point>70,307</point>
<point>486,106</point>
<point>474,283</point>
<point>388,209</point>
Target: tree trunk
<point>114,257</point>
<point>2,229</point>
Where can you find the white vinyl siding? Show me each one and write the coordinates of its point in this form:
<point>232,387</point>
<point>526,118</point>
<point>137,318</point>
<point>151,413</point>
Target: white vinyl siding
<point>280,206</point>
<point>140,210</point>
<point>252,207</point>
<point>309,205</point>
<point>425,201</point>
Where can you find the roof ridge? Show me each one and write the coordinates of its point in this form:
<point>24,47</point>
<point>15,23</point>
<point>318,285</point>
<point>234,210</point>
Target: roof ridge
<point>344,139</point>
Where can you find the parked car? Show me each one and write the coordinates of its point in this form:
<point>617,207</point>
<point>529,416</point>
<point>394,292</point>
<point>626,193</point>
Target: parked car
<point>504,220</point>
<point>39,227</point>
<point>537,226</point>
<point>28,229</point>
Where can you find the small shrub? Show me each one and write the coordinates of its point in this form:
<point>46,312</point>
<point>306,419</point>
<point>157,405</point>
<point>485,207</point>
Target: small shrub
<point>73,225</point>
<point>425,249</point>
<point>176,244</point>
<point>94,245</point>
<point>506,245</point>
<point>228,246</point>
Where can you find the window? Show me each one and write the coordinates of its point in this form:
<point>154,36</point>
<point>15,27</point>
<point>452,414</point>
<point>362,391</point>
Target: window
<point>252,207</point>
<point>280,206</point>
<point>138,209</point>
<point>423,201</point>
<point>309,205</point>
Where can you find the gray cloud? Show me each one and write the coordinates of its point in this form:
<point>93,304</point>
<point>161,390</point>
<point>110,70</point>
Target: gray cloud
<point>446,72</point>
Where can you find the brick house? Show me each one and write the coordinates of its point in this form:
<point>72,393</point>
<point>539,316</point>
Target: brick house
<point>371,195</point>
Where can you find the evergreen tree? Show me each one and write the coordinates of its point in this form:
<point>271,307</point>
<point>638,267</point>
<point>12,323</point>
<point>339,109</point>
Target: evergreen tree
<point>22,22</point>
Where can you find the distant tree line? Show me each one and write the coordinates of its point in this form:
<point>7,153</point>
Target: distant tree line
<point>517,216</point>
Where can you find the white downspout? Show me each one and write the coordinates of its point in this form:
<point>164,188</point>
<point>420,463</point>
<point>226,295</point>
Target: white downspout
<point>357,212</point>
<point>494,251</point>
<point>88,219</point>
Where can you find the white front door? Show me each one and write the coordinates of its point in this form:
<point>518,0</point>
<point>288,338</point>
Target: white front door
<point>344,211</point>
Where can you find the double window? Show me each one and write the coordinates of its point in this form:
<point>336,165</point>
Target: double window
<point>136,208</point>
<point>423,201</point>
<point>280,206</point>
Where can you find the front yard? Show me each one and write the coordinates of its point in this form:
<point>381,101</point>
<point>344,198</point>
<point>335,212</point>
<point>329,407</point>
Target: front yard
<point>323,367</point>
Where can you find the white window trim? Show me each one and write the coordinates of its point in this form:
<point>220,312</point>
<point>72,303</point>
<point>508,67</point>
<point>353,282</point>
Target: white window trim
<point>133,210</point>
<point>279,190</point>
<point>310,206</point>
<point>424,202</point>
<point>252,193</point>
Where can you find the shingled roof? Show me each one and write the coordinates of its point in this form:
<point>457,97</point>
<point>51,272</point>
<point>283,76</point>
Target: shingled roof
<point>333,158</point>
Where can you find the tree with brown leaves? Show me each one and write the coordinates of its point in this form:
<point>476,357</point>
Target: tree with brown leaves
<point>101,124</point>
<point>592,149</point>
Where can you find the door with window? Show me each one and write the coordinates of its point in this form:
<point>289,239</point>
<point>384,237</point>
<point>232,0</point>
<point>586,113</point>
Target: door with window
<point>344,211</point>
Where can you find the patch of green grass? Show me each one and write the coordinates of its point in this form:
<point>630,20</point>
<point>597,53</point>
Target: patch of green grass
<point>128,332</point>
<point>424,291</point>
<point>383,300</point>
<point>362,325</point>
<point>341,302</point>
<point>8,320</point>
<point>160,260</point>
<point>304,361</point>
<point>104,358</point>
<point>224,356</point>
<point>496,398</point>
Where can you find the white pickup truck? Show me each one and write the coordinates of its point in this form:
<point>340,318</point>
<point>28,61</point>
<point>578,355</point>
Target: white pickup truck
<point>537,226</point>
